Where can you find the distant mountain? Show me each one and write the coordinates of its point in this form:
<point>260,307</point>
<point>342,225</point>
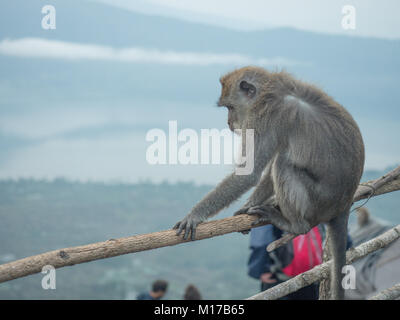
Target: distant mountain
<point>50,106</point>
<point>362,73</point>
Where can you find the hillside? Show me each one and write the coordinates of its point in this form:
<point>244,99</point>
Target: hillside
<point>38,216</point>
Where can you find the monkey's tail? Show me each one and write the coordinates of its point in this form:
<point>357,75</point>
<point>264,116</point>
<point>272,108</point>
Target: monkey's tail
<point>337,237</point>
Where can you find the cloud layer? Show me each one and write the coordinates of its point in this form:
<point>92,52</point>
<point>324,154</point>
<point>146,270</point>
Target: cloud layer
<point>43,48</point>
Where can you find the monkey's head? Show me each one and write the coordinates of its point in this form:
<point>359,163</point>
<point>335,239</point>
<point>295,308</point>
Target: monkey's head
<point>241,89</point>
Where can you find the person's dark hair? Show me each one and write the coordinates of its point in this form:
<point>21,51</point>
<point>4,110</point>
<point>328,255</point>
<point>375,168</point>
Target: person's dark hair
<point>192,293</point>
<point>160,285</point>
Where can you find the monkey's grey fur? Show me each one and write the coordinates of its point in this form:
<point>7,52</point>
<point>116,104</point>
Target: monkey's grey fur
<point>308,159</point>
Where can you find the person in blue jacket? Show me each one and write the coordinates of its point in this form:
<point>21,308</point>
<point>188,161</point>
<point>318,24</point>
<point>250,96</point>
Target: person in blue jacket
<point>262,265</point>
<point>158,290</point>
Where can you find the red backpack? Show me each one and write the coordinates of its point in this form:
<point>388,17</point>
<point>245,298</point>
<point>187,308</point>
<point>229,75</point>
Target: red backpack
<point>307,253</point>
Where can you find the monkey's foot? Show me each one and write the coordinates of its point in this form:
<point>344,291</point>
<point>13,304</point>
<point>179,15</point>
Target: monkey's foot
<point>242,210</point>
<point>264,214</point>
<point>272,215</point>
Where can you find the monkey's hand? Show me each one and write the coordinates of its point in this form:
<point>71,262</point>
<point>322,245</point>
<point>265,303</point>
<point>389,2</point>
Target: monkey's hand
<point>189,224</point>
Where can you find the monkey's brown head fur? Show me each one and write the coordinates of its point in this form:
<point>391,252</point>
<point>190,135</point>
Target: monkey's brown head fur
<point>241,89</point>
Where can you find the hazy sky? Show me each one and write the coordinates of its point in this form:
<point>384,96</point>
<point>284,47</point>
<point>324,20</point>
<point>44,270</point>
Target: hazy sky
<point>65,141</point>
<point>373,18</point>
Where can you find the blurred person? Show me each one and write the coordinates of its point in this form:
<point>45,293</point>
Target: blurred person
<point>158,290</point>
<point>367,226</point>
<point>380,269</point>
<point>301,254</point>
<point>191,293</point>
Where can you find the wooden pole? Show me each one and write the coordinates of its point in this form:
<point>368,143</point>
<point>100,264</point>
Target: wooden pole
<point>116,247</point>
<point>388,294</point>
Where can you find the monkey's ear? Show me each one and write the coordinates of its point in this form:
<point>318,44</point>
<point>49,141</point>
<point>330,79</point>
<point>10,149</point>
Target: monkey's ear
<point>248,88</point>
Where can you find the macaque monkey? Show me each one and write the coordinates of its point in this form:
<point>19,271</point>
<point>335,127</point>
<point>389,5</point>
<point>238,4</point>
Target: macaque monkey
<point>308,159</point>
